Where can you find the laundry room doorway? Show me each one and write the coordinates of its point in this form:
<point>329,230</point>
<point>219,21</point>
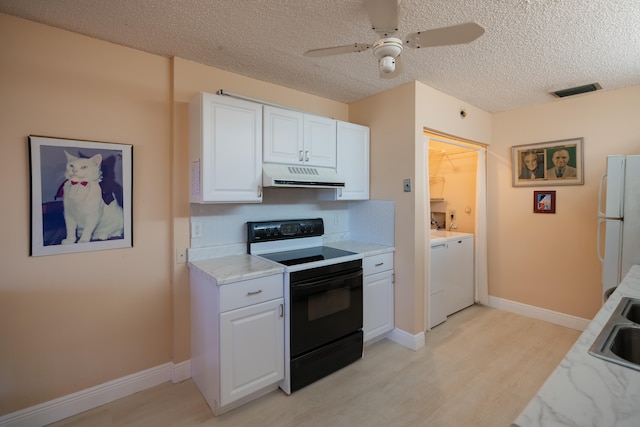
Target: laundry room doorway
<point>456,201</point>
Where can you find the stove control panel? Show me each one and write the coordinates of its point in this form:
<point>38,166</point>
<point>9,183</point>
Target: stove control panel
<point>264,231</point>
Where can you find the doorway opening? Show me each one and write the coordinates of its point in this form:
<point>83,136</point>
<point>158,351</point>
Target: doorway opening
<point>456,201</point>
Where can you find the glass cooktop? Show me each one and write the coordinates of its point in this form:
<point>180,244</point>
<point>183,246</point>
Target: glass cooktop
<point>301,256</point>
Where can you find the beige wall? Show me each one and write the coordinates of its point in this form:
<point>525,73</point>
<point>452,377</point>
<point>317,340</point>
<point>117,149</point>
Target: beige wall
<point>69,322</point>
<point>550,261</point>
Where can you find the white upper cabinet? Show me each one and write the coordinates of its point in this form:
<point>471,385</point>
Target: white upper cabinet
<point>353,161</point>
<point>291,137</point>
<point>319,141</point>
<point>225,138</point>
<point>283,135</point>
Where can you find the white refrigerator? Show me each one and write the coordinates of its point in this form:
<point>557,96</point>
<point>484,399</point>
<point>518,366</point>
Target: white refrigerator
<point>619,219</point>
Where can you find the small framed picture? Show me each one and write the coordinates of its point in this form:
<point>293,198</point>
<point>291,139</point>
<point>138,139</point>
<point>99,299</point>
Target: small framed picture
<point>81,195</point>
<point>548,163</point>
<point>544,202</point>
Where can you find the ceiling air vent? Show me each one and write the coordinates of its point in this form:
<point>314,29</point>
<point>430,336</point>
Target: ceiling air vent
<point>576,90</point>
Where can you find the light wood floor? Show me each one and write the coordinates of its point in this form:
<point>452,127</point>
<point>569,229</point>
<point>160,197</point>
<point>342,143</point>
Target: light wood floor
<point>480,368</point>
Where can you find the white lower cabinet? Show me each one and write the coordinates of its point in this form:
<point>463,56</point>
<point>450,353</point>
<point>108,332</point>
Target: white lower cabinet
<point>237,339</point>
<point>377,295</point>
<point>252,349</point>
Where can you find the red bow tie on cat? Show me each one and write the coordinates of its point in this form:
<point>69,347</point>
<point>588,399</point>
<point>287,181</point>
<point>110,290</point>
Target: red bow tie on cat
<point>84,183</point>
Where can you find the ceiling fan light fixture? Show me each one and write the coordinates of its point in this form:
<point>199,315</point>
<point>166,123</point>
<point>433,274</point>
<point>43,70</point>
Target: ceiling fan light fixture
<point>387,64</point>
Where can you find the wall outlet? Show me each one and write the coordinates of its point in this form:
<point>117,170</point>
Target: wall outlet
<point>181,255</point>
<point>196,230</point>
<point>407,185</point>
<point>452,215</point>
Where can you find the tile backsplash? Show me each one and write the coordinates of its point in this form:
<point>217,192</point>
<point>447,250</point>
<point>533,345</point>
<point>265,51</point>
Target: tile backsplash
<point>222,227</point>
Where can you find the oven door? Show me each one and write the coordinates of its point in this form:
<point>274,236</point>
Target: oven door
<point>325,305</point>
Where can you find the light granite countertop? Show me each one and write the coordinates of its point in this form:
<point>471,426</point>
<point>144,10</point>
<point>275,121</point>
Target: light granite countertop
<point>367,249</point>
<point>235,268</point>
<point>587,391</point>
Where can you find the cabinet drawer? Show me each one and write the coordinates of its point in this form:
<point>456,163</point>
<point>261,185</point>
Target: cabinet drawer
<point>377,263</point>
<point>249,292</point>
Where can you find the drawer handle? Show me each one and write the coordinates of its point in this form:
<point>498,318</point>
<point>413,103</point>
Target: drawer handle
<point>380,264</point>
<point>250,293</point>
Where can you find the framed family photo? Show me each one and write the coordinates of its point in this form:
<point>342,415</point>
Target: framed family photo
<point>81,195</point>
<point>544,202</point>
<point>548,163</point>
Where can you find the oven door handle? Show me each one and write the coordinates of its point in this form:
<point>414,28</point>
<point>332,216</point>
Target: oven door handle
<point>324,283</point>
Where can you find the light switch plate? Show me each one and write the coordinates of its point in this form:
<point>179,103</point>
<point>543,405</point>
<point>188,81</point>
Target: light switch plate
<point>407,185</point>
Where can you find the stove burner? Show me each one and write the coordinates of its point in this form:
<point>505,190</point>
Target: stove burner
<point>301,256</point>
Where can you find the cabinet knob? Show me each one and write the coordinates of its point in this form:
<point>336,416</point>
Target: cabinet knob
<point>380,264</point>
<point>300,156</point>
<point>306,156</point>
<point>250,293</point>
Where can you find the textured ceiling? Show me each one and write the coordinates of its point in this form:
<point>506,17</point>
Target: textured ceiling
<point>530,47</point>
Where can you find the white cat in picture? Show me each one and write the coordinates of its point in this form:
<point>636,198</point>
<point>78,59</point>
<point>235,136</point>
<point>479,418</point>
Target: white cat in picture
<point>87,217</point>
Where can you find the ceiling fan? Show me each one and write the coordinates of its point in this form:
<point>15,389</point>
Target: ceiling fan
<point>383,15</point>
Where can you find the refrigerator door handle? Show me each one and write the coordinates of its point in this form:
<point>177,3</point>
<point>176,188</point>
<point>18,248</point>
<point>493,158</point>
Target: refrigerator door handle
<point>601,221</point>
<point>600,211</point>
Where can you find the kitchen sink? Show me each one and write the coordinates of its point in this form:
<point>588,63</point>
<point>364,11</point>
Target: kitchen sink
<point>626,344</point>
<point>633,312</point>
<point>619,340</point>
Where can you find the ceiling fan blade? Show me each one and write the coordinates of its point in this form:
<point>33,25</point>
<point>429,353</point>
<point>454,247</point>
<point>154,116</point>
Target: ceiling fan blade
<point>445,36</point>
<point>383,15</point>
<point>337,50</point>
<point>395,73</point>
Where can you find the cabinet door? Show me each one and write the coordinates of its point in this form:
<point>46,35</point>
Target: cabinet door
<point>283,136</point>
<point>227,158</point>
<point>319,141</point>
<point>458,290</point>
<point>377,304</point>
<point>353,161</point>
<point>251,349</point>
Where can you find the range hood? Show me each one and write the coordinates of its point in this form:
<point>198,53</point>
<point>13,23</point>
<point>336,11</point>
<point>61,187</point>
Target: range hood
<point>277,175</point>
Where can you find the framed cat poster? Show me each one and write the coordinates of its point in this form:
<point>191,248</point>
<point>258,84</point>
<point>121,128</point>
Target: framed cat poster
<point>81,195</point>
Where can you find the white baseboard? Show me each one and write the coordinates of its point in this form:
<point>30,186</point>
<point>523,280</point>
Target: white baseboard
<point>405,339</point>
<point>561,319</point>
<point>181,371</point>
<point>75,403</point>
